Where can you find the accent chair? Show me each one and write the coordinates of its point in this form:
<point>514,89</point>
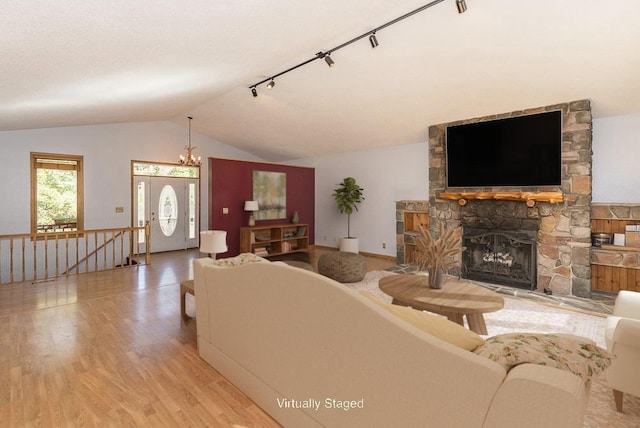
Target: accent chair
<point>622,337</point>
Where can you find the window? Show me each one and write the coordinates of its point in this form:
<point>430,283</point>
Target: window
<point>192,211</point>
<point>165,170</point>
<point>56,193</point>
<point>141,209</point>
<point>168,210</point>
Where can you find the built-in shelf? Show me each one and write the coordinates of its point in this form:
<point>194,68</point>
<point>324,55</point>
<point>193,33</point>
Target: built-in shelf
<point>412,222</point>
<point>617,248</point>
<point>614,267</point>
<point>529,197</point>
<point>410,214</point>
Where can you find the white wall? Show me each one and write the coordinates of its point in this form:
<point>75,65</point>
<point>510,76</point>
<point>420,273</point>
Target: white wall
<point>616,159</point>
<point>108,151</point>
<point>386,175</point>
<point>401,172</point>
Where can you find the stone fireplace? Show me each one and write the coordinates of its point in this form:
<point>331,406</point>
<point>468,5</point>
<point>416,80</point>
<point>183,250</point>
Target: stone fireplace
<point>560,230</point>
<point>500,257</point>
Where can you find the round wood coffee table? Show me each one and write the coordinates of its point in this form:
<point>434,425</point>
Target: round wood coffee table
<point>456,299</point>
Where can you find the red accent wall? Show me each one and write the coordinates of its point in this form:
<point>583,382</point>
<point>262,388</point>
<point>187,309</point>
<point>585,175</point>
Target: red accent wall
<point>231,183</point>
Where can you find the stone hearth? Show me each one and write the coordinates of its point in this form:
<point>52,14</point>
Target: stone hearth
<point>562,229</point>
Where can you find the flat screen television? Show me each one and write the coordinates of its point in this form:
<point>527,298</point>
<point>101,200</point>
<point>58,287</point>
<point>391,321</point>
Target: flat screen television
<point>516,151</point>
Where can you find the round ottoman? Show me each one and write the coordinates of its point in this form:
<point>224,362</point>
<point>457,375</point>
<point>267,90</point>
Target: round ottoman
<point>342,266</point>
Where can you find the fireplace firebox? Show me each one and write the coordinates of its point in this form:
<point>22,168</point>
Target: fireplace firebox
<point>500,257</point>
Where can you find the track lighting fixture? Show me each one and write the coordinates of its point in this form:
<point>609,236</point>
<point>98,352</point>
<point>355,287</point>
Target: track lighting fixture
<point>460,4</point>
<point>373,40</point>
<point>328,60</point>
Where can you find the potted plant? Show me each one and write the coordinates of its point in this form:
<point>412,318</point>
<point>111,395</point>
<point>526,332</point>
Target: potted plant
<point>348,195</point>
<point>436,256</point>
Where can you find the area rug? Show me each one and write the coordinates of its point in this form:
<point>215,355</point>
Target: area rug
<point>522,315</point>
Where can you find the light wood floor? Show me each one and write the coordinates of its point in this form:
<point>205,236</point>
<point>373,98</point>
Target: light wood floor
<point>109,349</point>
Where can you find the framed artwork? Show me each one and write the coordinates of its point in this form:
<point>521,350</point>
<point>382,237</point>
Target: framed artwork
<point>270,190</point>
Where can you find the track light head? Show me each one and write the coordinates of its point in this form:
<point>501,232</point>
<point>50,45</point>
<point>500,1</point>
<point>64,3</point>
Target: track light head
<point>461,5</point>
<point>254,91</point>
<point>328,60</point>
<point>373,40</point>
<point>271,84</point>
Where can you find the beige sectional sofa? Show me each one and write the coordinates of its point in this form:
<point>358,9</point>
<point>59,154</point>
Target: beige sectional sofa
<point>312,352</point>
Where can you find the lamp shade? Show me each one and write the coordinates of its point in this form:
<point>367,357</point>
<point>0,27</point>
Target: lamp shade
<point>251,206</point>
<point>213,241</point>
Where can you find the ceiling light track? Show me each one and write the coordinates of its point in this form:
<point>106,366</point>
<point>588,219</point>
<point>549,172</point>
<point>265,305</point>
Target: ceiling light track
<point>373,40</point>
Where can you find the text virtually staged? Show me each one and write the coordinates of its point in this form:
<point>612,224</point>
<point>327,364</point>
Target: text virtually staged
<point>316,404</point>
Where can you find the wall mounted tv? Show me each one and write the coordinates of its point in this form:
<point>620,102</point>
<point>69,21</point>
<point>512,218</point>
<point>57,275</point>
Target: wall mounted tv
<point>517,151</point>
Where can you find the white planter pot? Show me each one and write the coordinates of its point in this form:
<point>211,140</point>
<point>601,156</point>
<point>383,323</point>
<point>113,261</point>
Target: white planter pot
<point>349,245</point>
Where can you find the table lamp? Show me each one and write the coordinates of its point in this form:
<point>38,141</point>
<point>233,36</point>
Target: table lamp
<point>213,242</point>
<point>251,206</point>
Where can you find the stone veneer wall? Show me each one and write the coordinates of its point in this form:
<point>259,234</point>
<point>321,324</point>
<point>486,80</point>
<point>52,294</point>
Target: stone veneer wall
<point>564,234</point>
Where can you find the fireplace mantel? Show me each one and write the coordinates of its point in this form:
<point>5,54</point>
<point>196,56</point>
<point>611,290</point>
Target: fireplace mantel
<point>529,197</point>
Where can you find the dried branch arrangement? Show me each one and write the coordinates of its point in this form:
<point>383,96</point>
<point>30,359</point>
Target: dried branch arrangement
<point>433,254</point>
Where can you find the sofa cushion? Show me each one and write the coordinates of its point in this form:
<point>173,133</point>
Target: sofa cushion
<point>575,354</point>
<point>435,325</point>
<point>239,260</point>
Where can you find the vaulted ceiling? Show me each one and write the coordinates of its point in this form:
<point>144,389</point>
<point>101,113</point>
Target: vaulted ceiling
<point>70,63</point>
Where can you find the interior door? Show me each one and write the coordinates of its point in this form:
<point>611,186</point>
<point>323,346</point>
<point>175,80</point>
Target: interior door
<point>170,204</point>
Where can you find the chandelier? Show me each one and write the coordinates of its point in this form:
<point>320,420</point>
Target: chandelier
<point>190,159</point>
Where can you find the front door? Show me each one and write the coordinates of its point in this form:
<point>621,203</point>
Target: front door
<point>170,204</point>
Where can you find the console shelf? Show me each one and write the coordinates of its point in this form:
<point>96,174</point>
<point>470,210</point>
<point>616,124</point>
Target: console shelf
<point>529,197</point>
<point>274,240</point>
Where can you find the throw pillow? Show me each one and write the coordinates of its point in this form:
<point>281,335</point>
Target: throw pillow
<point>435,325</point>
<point>239,260</point>
<point>577,355</point>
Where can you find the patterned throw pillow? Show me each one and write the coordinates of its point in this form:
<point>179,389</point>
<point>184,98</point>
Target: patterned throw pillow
<point>239,260</point>
<point>575,354</point>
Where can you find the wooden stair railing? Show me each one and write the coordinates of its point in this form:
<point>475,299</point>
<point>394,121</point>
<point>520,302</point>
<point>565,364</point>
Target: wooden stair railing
<point>95,253</point>
<point>43,256</point>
